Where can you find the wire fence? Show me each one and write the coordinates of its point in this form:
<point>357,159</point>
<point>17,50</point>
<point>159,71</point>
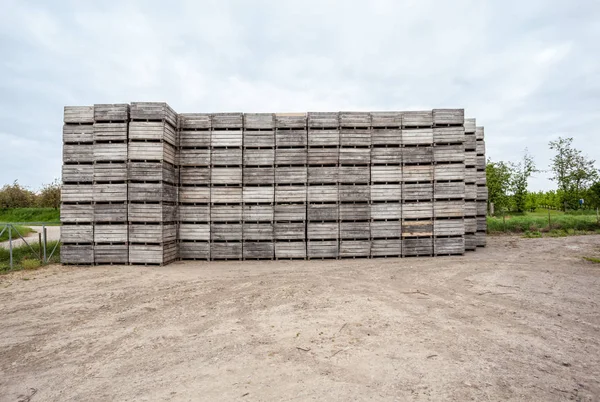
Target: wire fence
<point>45,250</point>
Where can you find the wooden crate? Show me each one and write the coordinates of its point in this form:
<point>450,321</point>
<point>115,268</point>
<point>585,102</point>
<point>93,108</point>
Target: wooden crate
<point>386,119</point>
<point>77,173</point>
<point>110,212</point>
<point>290,212</point>
<point>287,194</point>
<point>154,131</point>
<point>259,138</point>
<point>449,153</point>
<point>194,121</point>
<point>194,250</point>
<point>110,192</point>
<point>386,192</point>
<point>226,156</point>
<point>226,195</point>
<point>355,137</point>
<point>417,210</point>
<point>152,212</point>
<point>194,231</point>
<point>355,119</point>
<point>111,254</point>
<point>258,175</point>
<point>227,120</point>
<point>259,194</point>
<point>260,212</point>
<point>481,208</point>
<point>291,156</point>
<point>471,175</point>
<point>322,212</point>
<point>414,155</point>
<point>226,251</point>
<point>111,132</point>
<point>323,156</point>
<point>111,112</point>
<point>421,118</point>
<point>470,142</point>
<point>329,137</point>
<point>355,156</point>
<point>354,174</point>
<point>470,225</point>
<point>482,193</point>
<point>194,138</point>
<point>470,125</point>
<point>259,250</point>
<point>77,254</point>
<point>449,135</point>
<point>257,231</point>
<point>110,152</point>
<point>76,133</point>
<point>448,209</point>
<point>111,233</point>
<point>480,239</point>
<point>322,174</point>
<point>153,111</point>
<point>322,249</point>
<point>115,171</point>
<point>386,248</point>
<point>470,242</point>
<point>290,120</point>
<point>412,247</point>
<point>449,245</point>
<point>193,175</point>
<point>155,233</point>
<point>417,228</point>
<point>471,208</point>
<point>289,230</point>
<point>291,138</point>
<point>355,248</point>
<point>193,213</point>
<point>481,178</point>
<point>225,231</point>
<point>150,192</point>
<point>226,213</point>
<point>323,119</point>
<point>226,138</point>
<point>417,191</point>
<point>416,173</point>
<point>226,175</point>
<point>291,174</point>
<point>194,157</point>
<point>480,148</point>
<point>147,151</point>
<point>354,211</point>
<point>448,116</point>
<point>386,155</point>
<point>481,224</point>
<point>470,158</point>
<point>259,120</point>
<point>355,230</point>
<point>470,191</point>
<point>77,193</point>
<point>259,157</point>
<point>154,254</point>
<point>78,114</point>
<point>421,136</point>
<point>449,227</point>
<point>78,153</point>
<point>386,229</point>
<point>453,189</point>
<point>354,192</point>
<point>290,250</point>
<point>77,233</point>
<point>386,210</point>
<point>454,171</point>
<point>194,194</point>
<point>479,133</point>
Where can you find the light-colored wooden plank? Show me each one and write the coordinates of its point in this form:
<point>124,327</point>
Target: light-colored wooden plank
<point>77,233</point>
<point>78,114</point>
<point>78,133</point>
<point>111,112</point>
<point>448,116</point>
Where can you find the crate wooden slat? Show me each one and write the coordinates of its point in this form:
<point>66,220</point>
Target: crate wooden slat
<point>158,233</point>
<point>455,171</point>
<point>326,137</point>
<point>226,213</point>
<point>420,118</point>
<point>449,153</point>
<point>417,228</point>
<point>386,229</point>
<point>417,247</point>
<point>261,212</point>
<point>355,211</point>
<point>291,156</point>
<point>444,135</point>
<point>193,138</point>
<point>412,155</point>
<point>355,119</point>
<point>191,121</point>
<point>322,249</point>
<point>75,133</point>
<point>77,233</point>
<point>152,192</point>
<point>110,132</point>
<point>470,208</point>
<point>226,138</point>
<point>448,116</point>
<point>285,250</point>
<point>195,157</point>
<point>447,209</point>
<point>226,175</point>
<point>111,112</point>
<point>386,248</point>
<point>290,212</point>
<point>194,250</point>
<point>470,125</point>
<point>78,153</point>
<point>290,120</point>
<point>226,251</point>
<point>355,248</point>
<point>323,119</point>
<point>193,213</point>
<point>322,174</point>
<point>194,194</point>
<point>261,138</point>
<point>470,142</point>
<point>470,175</point>
<point>470,225</point>
<point>286,194</point>
<point>481,208</point>
<point>254,157</point>
<point>480,239</point>
<point>482,193</point>
<point>157,131</point>
<point>157,151</point>
<point>291,175</point>
<point>327,193</point>
<point>194,175</point>
<point>259,250</point>
<point>225,195</point>
<point>323,156</point>
<point>110,212</point>
<point>386,119</point>
<point>355,230</point>
<point>470,158</point>
<point>417,173</point>
<point>480,147</point>
<point>322,212</point>
<point>479,133</point>
<point>77,193</point>
<point>227,120</point>
<point>110,152</point>
<point>417,191</point>
<point>449,190</point>
<point>158,212</point>
<point>386,211</point>
<point>259,120</point>
<point>225,156</point>
<point>355,156</point>
<point>355,137</point>
<point>449,227</point>
<point>259,194</point>
<point>354,174</point>
<point>422,136</point>
<point>449,245</point>
<point>110,172</point>
<point>77,173</point>
<point>386,192</point>
<point>291,138</point>
<point>111,254</point>
<point>470,242</point>
<point>418,210</point>
<point>289,230</point>
<point>258,231</point>
<point>258,175</point>
<point>388,155</point>
<point>77,254</point>
<point>481,224</point>
<point>110,233</point>
<point>153,111</point>
<point>225,231</point>
<point>354,192</point>
<point>78,114</point>
<point>153,254</point>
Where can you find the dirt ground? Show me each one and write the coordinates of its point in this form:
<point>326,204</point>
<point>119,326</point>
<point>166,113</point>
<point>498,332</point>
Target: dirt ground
<point>518,320</point>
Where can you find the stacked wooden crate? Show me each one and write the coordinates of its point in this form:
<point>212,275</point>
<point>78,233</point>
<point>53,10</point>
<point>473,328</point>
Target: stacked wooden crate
<point>449,184</point>
<point>417,183</point>
<point>386,184</point>
<point>291,179</point>
<point>110,183</point>
<point>470,185</point>
<point>482,191</point>
<point>194,186</point>
<point>322,208</point>
<point>77,196</point>
<point>153,182</point>
<point>226,190</point>
<point>258,186</point>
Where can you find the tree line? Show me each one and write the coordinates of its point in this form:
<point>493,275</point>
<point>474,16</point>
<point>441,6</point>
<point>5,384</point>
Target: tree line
<point>575,175</point>
<point>17,196</point>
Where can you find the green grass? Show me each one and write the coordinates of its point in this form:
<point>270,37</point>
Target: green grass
<point>592,259</point>
<point>24,258</point>
<point>533,222</point>
<point>23,230</point>
<point>22,215</point>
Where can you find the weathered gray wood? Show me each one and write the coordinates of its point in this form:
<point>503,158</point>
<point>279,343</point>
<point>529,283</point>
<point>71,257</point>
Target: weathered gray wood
<point>111,254</point>
<point>470,142</point>
<point>110,172</point>
<point>448,116</point>
<point>194,194</point>
<point>261,212</point>
<point>453,245</point>
<point>354,192</point>
<point>76,254</point>
<point>259,194</point>
<point>326,193</point>
<point>258,231</point>
<point>482,193</point>
<point>194,157</point>
<point>325,174</point>
<point>114,212</point>
<point>138,212</point>
<point>355,137</point>
<point>77,233</point>
<point>290,250</point>
<point>470,225</point>
<point>262,138</point>
<point>471,175</point>
<point>161,233</point>
<point>222,251</point>
<point>386,136</point>
<point>470,125</point>
<point>388,247</point>
<point>260,175</point>
<point>223,156</point>
<point>152,192</point>
<point>481,208</point>
<point>415,247</point>
<point>470,158</point>
<point>417,173</point>
<point>189,138</point>
<point>355,119</point>
<point>322,212</point>
<point>259,120</point>
<point>225,231</point>
<point>156,151</point>
<point>226,138</point>
<point>289,230</point>
<point>227,120</point>
<point>194,250</point>
<point>290,138</point>
<point>153,111</point>
<point>481,178</point>
<point>355,230</point>
<point>354,174</point>
<point>77,153</point>
<point>449,190</point>
<point>226,175</point>
<point>358,211</point>
<point>443,135</point>
<point>417,210</point>
<point>449,227</point>
<point>110,131</point>
<point>77,173</point>
<point>324,137</point>
<point>386,211</point>
<point>78,133</point>
<point>226,213</point>
<point>355,156</point>
<point>444,209</point>
<point>470,208</point>
<point>479,133</point>
<point>110,192</point>
<point>421,118</point>
<point>77,193</point>
<point>417,191</point>
<point>355,248</point>
<point>290,120</point>
<point>381,229</point>
<point>291,156</point>
<point>386,192</point>
<point>194,213</point>
<point>322,249</point>
<point>481,224</point>
<point>386,119</point>
<point>421,136</point>
<point>323,119</point>
<point>152,254</point>
<point>194,175</point>
<point>262,250</point>
<point>449,172</point>
<point>417,154</point>
<point>78,114</point>
<point>225,195</point>
<point>291,175</point>
<point>392,155</point>
<point>323,156</point>
<point>285,194</point>
<point>290,212</point>
<point>255,157</point>
<point>188,121</point>
<point>157,131</point>
<point>105,152</point>
<point>480,239</point>
<point>470,242</point>
<point>111,112</point>
<point>417,228</point>
<point>110,233</point>
<point>480,147</point>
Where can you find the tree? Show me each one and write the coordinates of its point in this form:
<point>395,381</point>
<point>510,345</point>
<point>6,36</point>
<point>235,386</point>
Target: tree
<point>49,196</point>
<point>521,172</point>
<point>572,171</point>
<point>16,196</point>
<point>498,175</point>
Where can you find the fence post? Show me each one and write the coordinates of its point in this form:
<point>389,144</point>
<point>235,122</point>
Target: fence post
<point>549,221</point>
<point>504,220</point>
<point>40,245</point>
<point>45,242</point>
<point>10,248</point>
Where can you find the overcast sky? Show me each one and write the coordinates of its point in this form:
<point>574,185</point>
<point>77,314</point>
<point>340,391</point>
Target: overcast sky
<point>528,70</point>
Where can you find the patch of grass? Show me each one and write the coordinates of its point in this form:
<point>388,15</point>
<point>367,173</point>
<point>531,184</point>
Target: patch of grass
<point>534,222</point>
<point>592,259</point>
<point>24,258</point>
<point>23,215</point>
<point>532,235</point>
<point>23,230</point>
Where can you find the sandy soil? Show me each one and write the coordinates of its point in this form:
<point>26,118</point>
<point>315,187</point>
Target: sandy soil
<point>52,234</point>
<point>518,320</point>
